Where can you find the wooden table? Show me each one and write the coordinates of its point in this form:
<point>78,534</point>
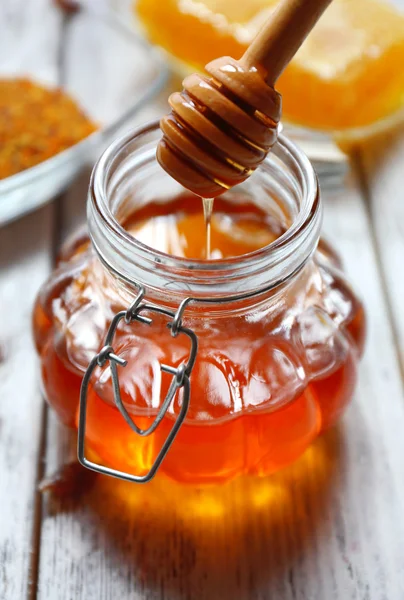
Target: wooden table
<point>331,527</point>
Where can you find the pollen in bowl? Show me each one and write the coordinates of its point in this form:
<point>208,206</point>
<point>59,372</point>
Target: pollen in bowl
<point>270,376</point>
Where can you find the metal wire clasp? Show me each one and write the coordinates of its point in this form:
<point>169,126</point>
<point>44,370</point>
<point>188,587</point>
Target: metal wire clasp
<point>180,379</point>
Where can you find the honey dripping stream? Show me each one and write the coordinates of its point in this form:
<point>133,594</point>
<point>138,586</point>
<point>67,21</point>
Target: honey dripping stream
<point>207,204</point>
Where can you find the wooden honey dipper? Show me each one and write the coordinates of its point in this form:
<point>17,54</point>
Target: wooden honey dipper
<point>222,127</point>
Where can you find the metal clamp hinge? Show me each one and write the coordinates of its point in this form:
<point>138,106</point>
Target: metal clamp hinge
<point>180,380</point>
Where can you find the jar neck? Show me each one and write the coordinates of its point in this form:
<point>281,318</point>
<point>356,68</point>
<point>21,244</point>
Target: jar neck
<point>128,176</point>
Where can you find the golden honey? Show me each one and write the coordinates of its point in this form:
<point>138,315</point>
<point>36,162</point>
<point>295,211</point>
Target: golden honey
<point>249,411</point>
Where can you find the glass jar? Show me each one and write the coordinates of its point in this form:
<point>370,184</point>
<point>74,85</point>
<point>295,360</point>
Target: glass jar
<point>279,331</point>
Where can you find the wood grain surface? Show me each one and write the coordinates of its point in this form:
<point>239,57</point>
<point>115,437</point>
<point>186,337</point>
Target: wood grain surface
<point>25,260</point>
<point>328,528</point>
<point>383,175</point>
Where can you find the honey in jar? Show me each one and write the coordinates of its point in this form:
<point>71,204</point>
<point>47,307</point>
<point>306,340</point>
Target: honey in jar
<point>347,75</point>
<point>279,330</point>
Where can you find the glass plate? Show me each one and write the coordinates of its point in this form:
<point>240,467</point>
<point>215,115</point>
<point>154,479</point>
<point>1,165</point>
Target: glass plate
<point>108,69</point>
<point>322,147</point>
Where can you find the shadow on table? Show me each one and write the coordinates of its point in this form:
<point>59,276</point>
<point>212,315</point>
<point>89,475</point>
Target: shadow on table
<point>222,542</point>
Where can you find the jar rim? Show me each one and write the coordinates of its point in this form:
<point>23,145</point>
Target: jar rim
<point>309,209</point>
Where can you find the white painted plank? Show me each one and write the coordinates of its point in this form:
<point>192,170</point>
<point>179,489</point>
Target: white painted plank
<point>29,36</point>
<point>29,39</point>
<point>24,263</point>
<point>383,164</point>
<point>372,496</point>
<point>62,572</point>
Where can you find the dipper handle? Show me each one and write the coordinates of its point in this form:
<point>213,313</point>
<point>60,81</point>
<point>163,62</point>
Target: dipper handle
<point>282,35</point>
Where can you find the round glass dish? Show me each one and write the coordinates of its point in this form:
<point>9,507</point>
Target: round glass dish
<point>100,58</point>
